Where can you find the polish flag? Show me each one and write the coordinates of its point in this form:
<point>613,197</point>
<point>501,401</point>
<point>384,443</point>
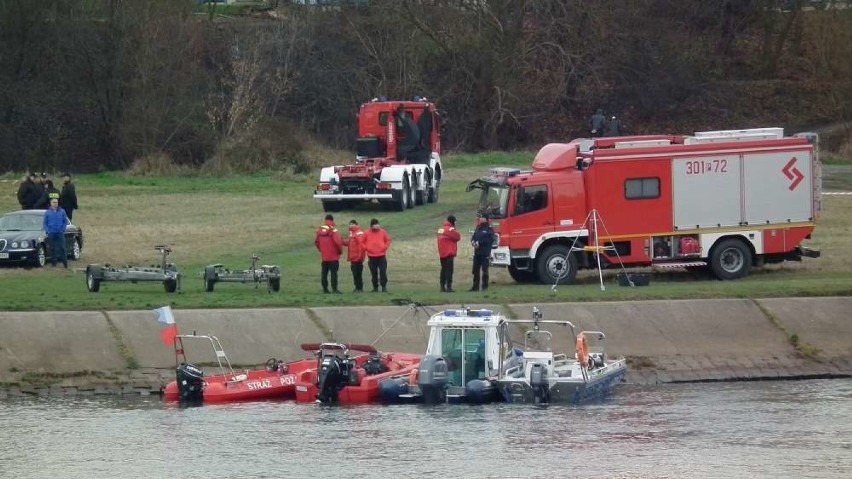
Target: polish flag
<point>167,321</point>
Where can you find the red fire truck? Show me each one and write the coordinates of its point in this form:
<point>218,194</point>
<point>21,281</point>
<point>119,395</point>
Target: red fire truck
<point>398,161</point>
<point>728,200</point>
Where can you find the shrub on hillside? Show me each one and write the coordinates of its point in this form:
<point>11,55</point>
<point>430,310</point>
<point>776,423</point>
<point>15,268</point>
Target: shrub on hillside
<point>269,146</point>
<point>157,164</point>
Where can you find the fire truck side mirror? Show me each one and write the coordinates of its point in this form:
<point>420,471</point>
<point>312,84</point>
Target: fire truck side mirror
<point>583,163</point>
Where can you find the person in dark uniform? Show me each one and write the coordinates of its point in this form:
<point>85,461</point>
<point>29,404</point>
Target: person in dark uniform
<point>29,192</point>
<point>68,196</point>
<point>596,124</point>
<point>50,193</point>
<point>613,127</point>
<point>482,242</point>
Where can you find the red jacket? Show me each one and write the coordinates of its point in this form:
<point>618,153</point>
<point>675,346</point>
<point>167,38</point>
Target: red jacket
<point>448,239</point>
<point>376,242</point>
<point>328,242</point>
<point>355,242</point>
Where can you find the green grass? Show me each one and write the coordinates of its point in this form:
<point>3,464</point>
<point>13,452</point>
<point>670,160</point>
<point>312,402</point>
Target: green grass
<point>225,220</point>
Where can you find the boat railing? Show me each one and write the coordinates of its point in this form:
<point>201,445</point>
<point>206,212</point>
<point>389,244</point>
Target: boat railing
<point>218,352</point>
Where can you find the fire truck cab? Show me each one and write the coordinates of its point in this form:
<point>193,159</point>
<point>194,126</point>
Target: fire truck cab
<point>728,200</point>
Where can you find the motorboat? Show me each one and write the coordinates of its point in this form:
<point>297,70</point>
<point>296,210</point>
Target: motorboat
<point>537,374</point>
<point>348,373</point>
<point>275,380</point>
<point>461,361</point>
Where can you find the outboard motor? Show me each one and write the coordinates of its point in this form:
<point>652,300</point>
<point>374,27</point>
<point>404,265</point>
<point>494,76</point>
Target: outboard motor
<point>432,379</point>
<point>539,384</point>
<point>333,376</point>
<point>190,383</point>
<point>374,365</point>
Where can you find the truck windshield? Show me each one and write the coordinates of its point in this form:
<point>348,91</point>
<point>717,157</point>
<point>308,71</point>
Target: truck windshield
<point>494,201</point>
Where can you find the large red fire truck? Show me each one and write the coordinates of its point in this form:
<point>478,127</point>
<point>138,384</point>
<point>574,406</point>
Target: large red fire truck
<point>398,161</point>
<point>728,200</point>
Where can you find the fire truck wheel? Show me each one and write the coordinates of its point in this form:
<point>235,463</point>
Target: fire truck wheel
<point>522,276</point>
<point>731,259</point>
<point>411,194</point>
<point>556,265</point>
<point>402,196</point>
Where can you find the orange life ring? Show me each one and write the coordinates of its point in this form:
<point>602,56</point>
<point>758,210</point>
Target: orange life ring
<point>582,350</point>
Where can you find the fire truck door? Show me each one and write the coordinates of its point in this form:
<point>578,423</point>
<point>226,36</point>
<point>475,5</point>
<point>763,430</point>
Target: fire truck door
<point>532,214</point>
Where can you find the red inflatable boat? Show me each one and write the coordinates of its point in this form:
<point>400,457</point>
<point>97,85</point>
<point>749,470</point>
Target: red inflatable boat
<point>276,380</point>
<point>338,376</point>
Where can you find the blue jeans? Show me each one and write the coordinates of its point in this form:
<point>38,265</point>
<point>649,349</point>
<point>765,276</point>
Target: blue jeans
<point>56,243</point>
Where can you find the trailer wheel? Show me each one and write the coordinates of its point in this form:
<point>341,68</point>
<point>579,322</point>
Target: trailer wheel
<point>208,285</point>
<point>556,265</point>
<point>521,276</point>
<point>170,285</point>
<point>275,284</point>
<point>92,284</point>
<point>731,259</point>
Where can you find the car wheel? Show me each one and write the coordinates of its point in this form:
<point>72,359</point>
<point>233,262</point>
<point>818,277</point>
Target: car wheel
<point>170,285</point>
<point>41,256</point>
<point>92,284</point>
<point>275,284</point>
<point>76,250</point>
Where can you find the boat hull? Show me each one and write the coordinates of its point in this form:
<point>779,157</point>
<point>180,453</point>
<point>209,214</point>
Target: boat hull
<point>253,385</point>
<point>562,390</point>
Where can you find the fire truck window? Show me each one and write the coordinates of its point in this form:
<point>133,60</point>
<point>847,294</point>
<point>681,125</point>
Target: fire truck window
<point>642,188</point>
<point>531,198</point>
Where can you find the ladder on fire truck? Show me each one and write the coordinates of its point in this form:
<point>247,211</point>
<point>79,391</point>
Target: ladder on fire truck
<point>590,224</point>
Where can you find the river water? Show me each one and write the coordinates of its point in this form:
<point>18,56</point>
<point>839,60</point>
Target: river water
<point>748,429</point>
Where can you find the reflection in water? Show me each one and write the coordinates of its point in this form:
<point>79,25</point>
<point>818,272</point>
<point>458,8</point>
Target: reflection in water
<point>757,429</point>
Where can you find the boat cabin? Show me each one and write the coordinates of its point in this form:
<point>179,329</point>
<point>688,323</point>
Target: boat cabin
<point>468,341</point>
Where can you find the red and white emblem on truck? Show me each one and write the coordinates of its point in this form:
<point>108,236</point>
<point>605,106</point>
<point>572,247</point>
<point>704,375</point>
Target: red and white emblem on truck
<point>793,173</point>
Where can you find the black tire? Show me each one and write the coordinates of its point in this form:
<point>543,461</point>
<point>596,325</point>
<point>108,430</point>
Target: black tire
<point>432,195</point>
<point>170,285</point>
<point>331,206</point>
<point>92,284</point>
<point>275,284</point>
<point>76,250</point>
<point>411,192</point>
<point>208,285</point>
<point>401,196</point>
<point>731,259</point>
<point>420,195</point>
<point>523,277</point>
<point>41,256</point>
<point>552,267</point>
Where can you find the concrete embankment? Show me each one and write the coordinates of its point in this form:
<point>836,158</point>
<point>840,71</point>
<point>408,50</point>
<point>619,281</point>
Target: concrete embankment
<point>108,352</point>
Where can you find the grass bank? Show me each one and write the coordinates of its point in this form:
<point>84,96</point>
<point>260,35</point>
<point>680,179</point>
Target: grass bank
<point>225,220</point>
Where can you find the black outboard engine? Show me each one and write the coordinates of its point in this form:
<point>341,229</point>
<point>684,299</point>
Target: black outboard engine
<point>190,383</point>
<point>374,365</point>
<point>432,379</point>
<point>539,384</point>
<point>333,376</point>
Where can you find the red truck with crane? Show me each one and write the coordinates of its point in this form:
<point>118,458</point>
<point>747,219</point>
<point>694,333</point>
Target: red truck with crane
<point>725,200</point>
<point>398,161</point>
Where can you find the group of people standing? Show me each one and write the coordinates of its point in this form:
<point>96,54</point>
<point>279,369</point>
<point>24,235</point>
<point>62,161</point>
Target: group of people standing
<point>36,191</point>
<point>373,245</point>
<point>600,125</point>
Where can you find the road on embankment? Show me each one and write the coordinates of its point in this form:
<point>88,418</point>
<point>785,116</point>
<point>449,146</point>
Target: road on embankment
<point>108,352</point>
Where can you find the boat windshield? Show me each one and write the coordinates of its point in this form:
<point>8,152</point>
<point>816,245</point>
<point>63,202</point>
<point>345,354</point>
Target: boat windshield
<point>538,341</point>
<point>464,351</point>
<point>494,201</point>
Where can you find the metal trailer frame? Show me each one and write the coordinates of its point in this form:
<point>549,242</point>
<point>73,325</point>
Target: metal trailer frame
<point>270,274</point>
<point>167,273</point>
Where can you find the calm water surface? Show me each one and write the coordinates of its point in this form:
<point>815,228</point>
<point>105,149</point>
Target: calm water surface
<point>758,429</point>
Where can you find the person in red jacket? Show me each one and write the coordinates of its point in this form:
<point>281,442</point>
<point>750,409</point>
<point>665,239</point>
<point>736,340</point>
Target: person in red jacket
<point>356,255</point>
<point>376,243</point>
<point>448,239</point>
<point>330,245</point>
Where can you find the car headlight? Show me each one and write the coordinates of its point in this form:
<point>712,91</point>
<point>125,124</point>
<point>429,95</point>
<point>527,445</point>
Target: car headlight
<point>14,244</point>
<point>25,244</point>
